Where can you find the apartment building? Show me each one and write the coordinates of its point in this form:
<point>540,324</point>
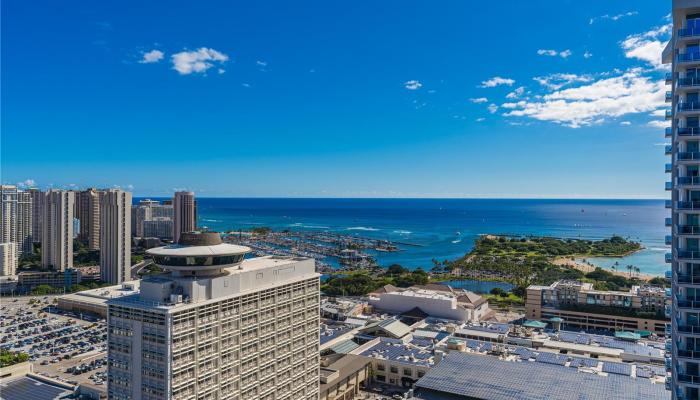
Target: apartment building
<point>57,234</point>
<point>184,214</point>
<point>8,259</point>
<point>87,211</point>
<point>216,326</point>
<point>115,236</point>
<point>569,300</point>
<point>683,54</point>
<point>16,218</point>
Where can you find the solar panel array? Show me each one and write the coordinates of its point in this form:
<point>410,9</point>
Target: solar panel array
<point>474,376</point>
<point>422,342</point>
<point>29,389</point>
<point>583,362</point>
<point>330,332</point>
<point>551,358</point>
<point>497,328</point>
<point>610,342</point>
<point>617,368</point>
<point>574,338</point>
<point>400,353</point>
<point>644,373</point>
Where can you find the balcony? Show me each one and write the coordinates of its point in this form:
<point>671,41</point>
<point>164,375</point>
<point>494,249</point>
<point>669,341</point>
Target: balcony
<point>669,97</point>
<point>669,78</point>
<point>668,204</point>
<point>667,329</point>
<point>668,168</point>
<point>668,222</point>
<point>688,180</point>
<point>668,257</point>
<point>688,106</point>
<point>691,329</point>
<point>688,82</point>
<point>668,114</point>
<point>688,304</point>
<point>688,57</point>
<point>688,255</point>
<point>668,132</point>
<point>669,186</point>
<point>688,230</point>
<point>688,205</point>
<point>668,274</point>
<point>688,156</point>
<point>689,131</point>
<point>688,279</point>
<point>688,354</point>
<point>668,149</point>
<point>691,30</point>
<point>692,379</point>
<point>668,240</point>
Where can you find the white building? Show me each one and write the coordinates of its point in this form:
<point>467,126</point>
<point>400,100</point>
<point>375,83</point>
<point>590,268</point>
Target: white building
<point>115,236</point>
<point>57,235</point>
<point>683,53</point>
<point>8,259</point>
<point>438,301</point>
<point>216,326</point>
<point>160,227</point>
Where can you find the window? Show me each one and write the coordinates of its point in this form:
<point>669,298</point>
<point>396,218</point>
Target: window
<point>407,372</point>
<point>381,367</point>
<point>381,378</point>
<point>394,369</point>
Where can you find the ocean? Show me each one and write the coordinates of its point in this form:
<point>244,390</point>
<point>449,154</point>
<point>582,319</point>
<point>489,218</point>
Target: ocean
<point>442,229</point>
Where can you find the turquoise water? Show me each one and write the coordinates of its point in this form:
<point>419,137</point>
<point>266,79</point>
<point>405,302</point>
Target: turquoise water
<point>478,286</point>
<point>446,228</point>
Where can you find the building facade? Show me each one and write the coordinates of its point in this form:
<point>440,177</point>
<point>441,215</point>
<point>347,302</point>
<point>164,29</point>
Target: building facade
<point>87,211</point>
<point>115,236</point>
<point>217,327</point>
<point>683,54</point>
<point>37,213</point>
<point>16,219</point>
<point>150,210</point>
<point>184,214</point>
<point>159,227</point>
<point>57,230</point>
<point>582,307</point>
<point>8,259</point>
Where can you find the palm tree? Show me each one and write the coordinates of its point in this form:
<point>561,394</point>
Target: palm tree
<point>630,268</point>
<point>637,270</point>
<point>614,267</point>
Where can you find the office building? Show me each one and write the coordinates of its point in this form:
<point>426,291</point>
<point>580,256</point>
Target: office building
<point>29,280</point>
<point>57,233</point>
<point>217,326</point>
<point>37,213</point>
<point>16,219</point>
<point>87,211</point>
<point>184,214</point>
<point>115,236</point>
<point>8,259</point>
<point>683,54</point>
<point>582,307</point>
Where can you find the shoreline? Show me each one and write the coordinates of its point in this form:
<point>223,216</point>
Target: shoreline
<point>587,267</point>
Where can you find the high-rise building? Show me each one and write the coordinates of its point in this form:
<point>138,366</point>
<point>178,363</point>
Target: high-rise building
<point>115,236</point>
<point>37,213</point>
<point>148,210</point>
<point>683,53</point>
<point>159,227</point>
<point>185,214</point>
<point>216,326</point>
<point>16,219</point>
<point>8,259</point>
<point>87,211</point>
<point>57,234</point>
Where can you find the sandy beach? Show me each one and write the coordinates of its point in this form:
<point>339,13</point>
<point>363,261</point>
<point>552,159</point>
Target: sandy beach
<point>586,268</point>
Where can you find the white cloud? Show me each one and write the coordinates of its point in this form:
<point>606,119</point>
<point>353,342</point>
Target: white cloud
<point>516,93</point>
<point>492,108</point>
<point>590,103</point>
<point>612,17</point>
<point>553,53</point>
<point>197,61</point>
<point>245,85</point>
<point>27,183</point>
<point>478,100</point>
<point>625,123</point>
<point>559,80</point>
<point>412,85</point>
<point>647,46</point>
<point>221,71</point>
<point>152,56</point>
<point>587,54</point>
<point>497,81</point>
<point>658,124</point>
<point>481,119</point>
<point>261,63</point>
<point>661,112</point>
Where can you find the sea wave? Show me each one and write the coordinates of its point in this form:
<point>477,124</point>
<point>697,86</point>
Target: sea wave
<point>361,228</point>
<point>211,220</point>
<point>456,241</point>
<point>400,232</point>
<point>300,225</point>
<point>659,248</point>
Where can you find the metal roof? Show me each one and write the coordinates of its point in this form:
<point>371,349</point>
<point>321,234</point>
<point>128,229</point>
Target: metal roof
<point>479,377</point>
<point>344,347</point>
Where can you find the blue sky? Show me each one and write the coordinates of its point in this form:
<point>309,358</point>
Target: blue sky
<point>365,99</point>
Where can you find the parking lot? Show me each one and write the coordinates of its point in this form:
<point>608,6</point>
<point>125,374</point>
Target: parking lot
<point>64,346</point>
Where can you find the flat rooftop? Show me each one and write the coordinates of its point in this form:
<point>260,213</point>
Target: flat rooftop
<point>30,389</point>
<point>480,377</point>
<point>416,352</point>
